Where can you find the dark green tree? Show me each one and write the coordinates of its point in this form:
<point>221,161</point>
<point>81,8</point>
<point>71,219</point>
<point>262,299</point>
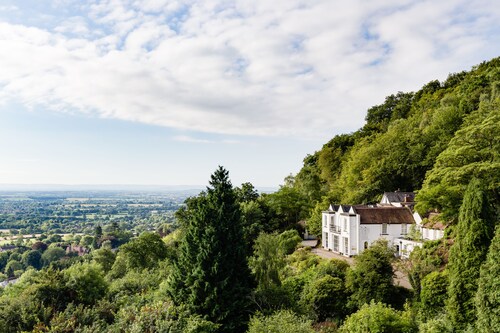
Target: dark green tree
<point>325,298</point>
<point>32,258</point>
<point>433,293</point>
<point>211,276</point>
<point>488,293</point>
<point>96,242</point>
<point>473,236</point>
<point>246,192</point>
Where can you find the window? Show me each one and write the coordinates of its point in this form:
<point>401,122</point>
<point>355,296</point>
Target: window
<point>384,228</point>
<point>345,224</point>
<point>336,243</point>
<point>346,245</point>
<point>326,239</point>
<point>324,221</point>
<point>404,229</point>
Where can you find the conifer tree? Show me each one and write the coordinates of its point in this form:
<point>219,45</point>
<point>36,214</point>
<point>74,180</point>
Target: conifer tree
<point>211,276</point>
<point>473,236</point>
<point>488,293</point>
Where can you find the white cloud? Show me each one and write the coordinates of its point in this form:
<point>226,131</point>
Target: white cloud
<point>284,67</point>
<point>8,8</point>
<point>186,138</point>
<point>190,139</point>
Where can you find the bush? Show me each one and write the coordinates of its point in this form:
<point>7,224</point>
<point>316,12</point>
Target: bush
<point>280,322</point>
<point>377,317</point>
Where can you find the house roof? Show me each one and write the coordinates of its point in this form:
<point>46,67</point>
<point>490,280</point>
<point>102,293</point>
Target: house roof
<point>389,215</point>
<point>400,196</point>
<point>339,208</point>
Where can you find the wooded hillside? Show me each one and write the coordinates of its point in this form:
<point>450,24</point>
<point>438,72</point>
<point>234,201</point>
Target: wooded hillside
<point>432,141</point>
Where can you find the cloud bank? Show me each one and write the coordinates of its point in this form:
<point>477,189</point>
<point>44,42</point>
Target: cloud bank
<point>283,67</point>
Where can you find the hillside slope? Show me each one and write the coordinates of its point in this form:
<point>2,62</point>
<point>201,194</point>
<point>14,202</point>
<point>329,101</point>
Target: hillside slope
<point>432,141</point>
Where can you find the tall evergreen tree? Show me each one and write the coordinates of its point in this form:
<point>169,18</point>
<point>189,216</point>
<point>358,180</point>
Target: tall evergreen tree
<point>211,276</point>
<point>473,236</point>
<point>488,293</point>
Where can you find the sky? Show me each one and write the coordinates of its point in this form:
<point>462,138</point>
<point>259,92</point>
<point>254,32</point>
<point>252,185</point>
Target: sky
<point>161,92</point>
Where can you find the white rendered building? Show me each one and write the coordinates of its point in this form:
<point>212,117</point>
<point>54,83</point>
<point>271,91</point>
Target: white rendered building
<point>348,230</point>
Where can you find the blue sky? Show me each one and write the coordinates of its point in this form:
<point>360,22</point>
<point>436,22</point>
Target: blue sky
<point>161,92</point>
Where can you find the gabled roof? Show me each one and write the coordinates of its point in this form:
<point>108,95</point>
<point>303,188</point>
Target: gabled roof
<point>400,196</point>
<point>389,215</point>
<point>340,208</point>
<point>344,208</point>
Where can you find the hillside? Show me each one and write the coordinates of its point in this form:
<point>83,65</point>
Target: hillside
<point>432,141</point>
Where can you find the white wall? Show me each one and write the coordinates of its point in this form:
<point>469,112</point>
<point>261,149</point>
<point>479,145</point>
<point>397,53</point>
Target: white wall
<point>356,234</point>
<point>432,234</point>
<point>406,246</point>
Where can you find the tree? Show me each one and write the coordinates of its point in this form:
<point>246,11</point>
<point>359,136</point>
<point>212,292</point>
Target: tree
<point>377,317</point>
<point>32,258</point>
<point>52,254</point>
<point>289,204</point>
<point>488,293</point>
<point>473,236</point>
<point>289,240</point>
<point>246,193</point>
<point>371,277</point>
<point>12,267</point>
<point>104,257</point>
<point>253,221</point>
<point>284,321</point>
<point>325,298</point>
<point>472,153</point>
<point>86,282</point>
<point>87,241</point>
<point>211,276</point>
<point>268,260</point>
<point>145,251</point>
<point>433,294</point>
<point>95,242</point>
<point>40,246</point>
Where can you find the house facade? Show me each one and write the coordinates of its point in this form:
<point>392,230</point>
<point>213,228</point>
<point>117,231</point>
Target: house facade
<point>348,230</point>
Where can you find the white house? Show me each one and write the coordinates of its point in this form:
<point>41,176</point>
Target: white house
<point>398,199</point>
<point>348,230</point>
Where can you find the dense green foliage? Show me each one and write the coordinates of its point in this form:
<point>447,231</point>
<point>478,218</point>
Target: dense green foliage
<point>378,318</point>
<point>280,322</point>
<point>435,140</point>
<point>371,278</point>
<point>211,277</point>
<point>488,294</point>
<point>474,233</point>
<point>434,293</point>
